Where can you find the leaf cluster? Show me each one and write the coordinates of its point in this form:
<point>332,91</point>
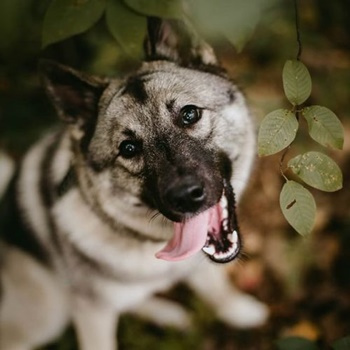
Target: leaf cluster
<point>126,19</point>
<point>277,132</point>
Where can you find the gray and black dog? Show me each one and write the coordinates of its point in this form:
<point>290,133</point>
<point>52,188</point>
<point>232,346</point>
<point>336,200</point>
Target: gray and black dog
<point>134,194</point>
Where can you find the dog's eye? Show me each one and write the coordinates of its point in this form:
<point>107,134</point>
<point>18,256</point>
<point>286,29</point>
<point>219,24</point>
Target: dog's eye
<point>189,115</point>
<point>129,149</point>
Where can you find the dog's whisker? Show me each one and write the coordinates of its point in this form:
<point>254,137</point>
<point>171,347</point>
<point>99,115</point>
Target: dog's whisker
<point>154,216</point>
<point>243,257</point>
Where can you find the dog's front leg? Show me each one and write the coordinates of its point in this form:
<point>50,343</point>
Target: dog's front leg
<point>95,324</point>
<point>236,308</point>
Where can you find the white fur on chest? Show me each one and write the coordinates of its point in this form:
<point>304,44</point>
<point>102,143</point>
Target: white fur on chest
<point>124,253</point>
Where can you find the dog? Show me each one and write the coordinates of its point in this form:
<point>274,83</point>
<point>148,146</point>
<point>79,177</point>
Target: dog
<point>134,193</point>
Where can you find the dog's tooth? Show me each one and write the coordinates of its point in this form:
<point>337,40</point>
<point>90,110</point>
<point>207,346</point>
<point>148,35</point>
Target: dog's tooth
<point>210,250</point>
<point>223,202</point>
<point>233,249</point>
<point>233,237</point>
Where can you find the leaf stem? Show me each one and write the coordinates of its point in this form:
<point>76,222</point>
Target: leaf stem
<point>297,28</point>
<point>297,110</point>
<point>284,154</point>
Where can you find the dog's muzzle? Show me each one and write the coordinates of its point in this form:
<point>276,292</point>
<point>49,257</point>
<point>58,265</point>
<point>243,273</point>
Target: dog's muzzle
<point>215,230</point>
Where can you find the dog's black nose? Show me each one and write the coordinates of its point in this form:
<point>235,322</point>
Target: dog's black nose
<point>186,196</point>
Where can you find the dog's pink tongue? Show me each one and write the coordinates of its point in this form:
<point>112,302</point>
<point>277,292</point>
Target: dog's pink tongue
<point>190,236</point>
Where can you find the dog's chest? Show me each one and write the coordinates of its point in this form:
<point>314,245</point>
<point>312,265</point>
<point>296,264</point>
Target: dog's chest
<point>117,255</point>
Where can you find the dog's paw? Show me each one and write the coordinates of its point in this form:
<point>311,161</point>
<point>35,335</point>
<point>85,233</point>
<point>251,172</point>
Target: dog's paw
<point>243,311</point>
<point>164,312</point>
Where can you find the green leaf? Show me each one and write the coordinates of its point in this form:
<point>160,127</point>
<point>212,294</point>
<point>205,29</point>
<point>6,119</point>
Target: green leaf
<point>342,344</point>
<point>298,207</point>
<point>277,131</point>
<point>317,170</point>
<point>295,343</point>
<point>65,18</point>
<point>127,27</point>
<point>235,19</point>
<point>158,8</point>
<point>324,126</point>
<point>296,82</point>
<point>243,25</point>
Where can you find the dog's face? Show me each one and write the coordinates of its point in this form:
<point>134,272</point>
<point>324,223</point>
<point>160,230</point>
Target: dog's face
<point>164,125</point>
<point>168,138</point>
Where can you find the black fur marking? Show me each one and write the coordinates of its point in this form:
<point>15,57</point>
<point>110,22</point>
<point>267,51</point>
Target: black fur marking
<point>225,165</point>
<point>172,160</point>
<point>15,231</point>
<point>130,134</point>
<point>75,95</point>
<point>165,148</point>
<point>68,182</point>
<point>89,131</point>
<point>156,39</point>
<point>153,28</point>
<point>170,105</point>
<point>231,95</point>
<point>45,186</point>
<point>47,189</point>
<point>147,195</point>
<point>135,87</point>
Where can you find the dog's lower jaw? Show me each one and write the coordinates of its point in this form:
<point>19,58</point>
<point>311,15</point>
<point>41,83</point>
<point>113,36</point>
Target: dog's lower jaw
<point>225,250</point>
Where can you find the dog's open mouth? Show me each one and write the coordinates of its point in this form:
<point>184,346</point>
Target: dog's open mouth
<point>215,231</point>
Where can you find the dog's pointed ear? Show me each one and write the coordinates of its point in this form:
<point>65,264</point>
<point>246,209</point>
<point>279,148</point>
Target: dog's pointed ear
<point>74,95</point>
<point>172,40</point>
<point>162,41</point>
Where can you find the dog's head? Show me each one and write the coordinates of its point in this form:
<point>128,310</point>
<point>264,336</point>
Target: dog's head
<point>174,137</point>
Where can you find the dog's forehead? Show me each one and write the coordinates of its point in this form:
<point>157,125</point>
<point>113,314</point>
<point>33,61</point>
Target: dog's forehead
<point>181,84</point>
<point>151,91</point>
<point>146,99</point>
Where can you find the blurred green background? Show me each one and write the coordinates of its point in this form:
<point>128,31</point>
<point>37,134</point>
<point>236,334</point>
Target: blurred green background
<point>305,281</point>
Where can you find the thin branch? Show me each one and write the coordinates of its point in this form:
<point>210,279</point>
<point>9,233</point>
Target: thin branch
<point>297,28</point>
<point>295,108</point>
<point>282,161</point>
